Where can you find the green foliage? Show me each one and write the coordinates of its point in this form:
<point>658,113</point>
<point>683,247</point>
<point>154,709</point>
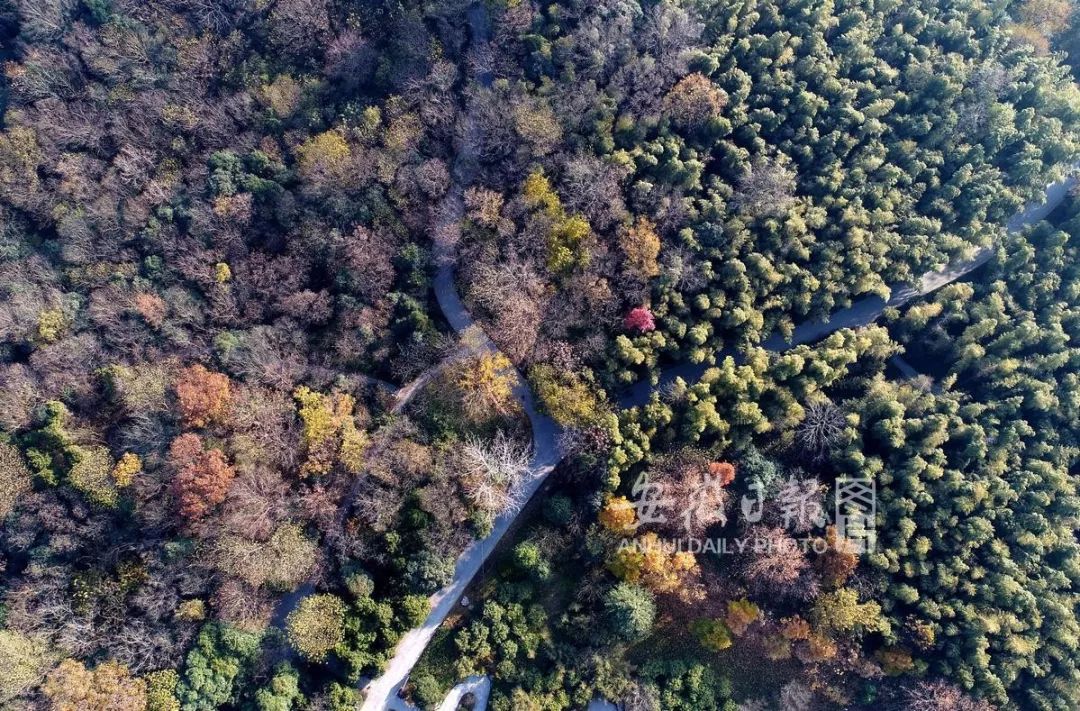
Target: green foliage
<point>283,691</point>
<point>558,510</point>
<point>689,686</point>
<point>316,626</point>
<point>974,488</point>
<point>54,456</point>
<point>413,610</point>
<point>23,663</point>
<point>428,571</point>
<point>530,561</point>
<point>370,632</point>
<point>503,638</point>
<point>427,690</point>
<point>343,698</point>
<point>216,667</point>
<point>712,634</point>
<point>630,611</point>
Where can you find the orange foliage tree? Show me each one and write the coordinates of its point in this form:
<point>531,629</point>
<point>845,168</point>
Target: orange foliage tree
<point>203,396</point>
<point>723,471</point>
<point>202,476</point>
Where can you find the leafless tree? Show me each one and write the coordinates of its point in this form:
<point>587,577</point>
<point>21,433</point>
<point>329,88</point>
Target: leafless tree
<point>496,472</point>
<point>940,696</point>
<point>593,187</point>
<point>754,705</point>
<point>242,605</point>
<point>300,26</point>
<point>796,696</point>
<point>45,19</point>
<point>766,189</point>
<point>20,393</point>
<point>641,697</point>
<point>821,428</point>
<point>514,294</point>
<point>776,560</point>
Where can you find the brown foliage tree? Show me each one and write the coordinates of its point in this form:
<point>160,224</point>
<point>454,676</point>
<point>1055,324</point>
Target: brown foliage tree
<point>694,100</point>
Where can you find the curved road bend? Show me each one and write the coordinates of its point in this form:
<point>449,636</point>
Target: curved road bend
<point>381,693</point>
<point>866,310</point>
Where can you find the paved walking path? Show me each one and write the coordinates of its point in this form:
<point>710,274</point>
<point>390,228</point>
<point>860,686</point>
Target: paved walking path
<point>381,693</point>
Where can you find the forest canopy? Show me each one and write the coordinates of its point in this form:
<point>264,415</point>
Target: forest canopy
<point>299,299</point>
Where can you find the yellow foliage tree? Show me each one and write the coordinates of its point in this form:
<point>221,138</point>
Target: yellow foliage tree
<point>567,235</point>
<point>618,516</point>
<point>107,687</point>
<point>740,615</point>
<point>14,477</point>
<point>484,385</point>
<point>641,248</point>
<point>324,155</point>
<point>125,470</point>
<point>329,431</point>
<point>646,561</point>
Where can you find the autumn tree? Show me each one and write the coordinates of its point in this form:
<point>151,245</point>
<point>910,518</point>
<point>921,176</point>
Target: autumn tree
<point>14,477</point>
<point>484,385</point>
<point>316,626</point>
<point>107,687</point>
<point>644,560</point>
<point>203,396</point>
<point>641,247</point>
<point>840,612</point>
<point>23,662</point>
<point>639,320</point>
<point>202,478</point>
<point>694,101</point>
<point>839,559</point>
<point>330,433</point>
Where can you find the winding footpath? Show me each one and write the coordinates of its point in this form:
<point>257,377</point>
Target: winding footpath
<point>381,693</point>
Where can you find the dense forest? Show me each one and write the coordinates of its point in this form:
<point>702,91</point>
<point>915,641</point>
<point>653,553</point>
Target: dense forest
<point>242,440</point>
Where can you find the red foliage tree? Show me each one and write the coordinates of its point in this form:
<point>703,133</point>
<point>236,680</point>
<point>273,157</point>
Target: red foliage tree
<point>202,476</point>
<point>640,320</point>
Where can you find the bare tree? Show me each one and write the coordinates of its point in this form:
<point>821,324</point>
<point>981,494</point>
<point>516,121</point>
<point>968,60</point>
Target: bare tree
<point>766,189</point>
<point>496,472</point>
<point>821,429</point>
<point>777,561</point>
<point>940,696</point>
<point>514,293</point>
<point>641,697</point>
<point>754,705</point>
<point>796,696</point>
